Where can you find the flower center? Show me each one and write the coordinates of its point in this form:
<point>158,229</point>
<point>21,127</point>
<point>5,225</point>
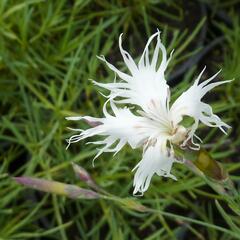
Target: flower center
<point>178,135</point>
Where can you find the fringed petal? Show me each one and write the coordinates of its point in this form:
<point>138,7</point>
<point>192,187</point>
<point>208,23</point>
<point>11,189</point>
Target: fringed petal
<point>127,58</point>
<point>120,128</point>
<point>156,159</point>
<point>122,75</point>
<point>190,104</point>
<point>147,85</point>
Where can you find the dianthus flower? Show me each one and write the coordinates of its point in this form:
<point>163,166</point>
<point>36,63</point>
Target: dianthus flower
<point>155,125</point>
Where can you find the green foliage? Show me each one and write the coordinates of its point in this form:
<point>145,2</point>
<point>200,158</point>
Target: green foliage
<point>47,56</point>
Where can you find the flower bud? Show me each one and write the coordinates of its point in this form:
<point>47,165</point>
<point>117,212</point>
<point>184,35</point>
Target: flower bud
<point>67,190</point>
<point>210,167</point>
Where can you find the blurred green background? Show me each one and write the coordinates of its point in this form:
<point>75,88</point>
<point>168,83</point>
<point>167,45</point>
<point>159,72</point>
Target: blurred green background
<point>47,56</point>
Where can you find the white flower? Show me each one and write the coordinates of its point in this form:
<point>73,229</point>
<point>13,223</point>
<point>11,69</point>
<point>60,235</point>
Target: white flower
<point>156,126</point>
